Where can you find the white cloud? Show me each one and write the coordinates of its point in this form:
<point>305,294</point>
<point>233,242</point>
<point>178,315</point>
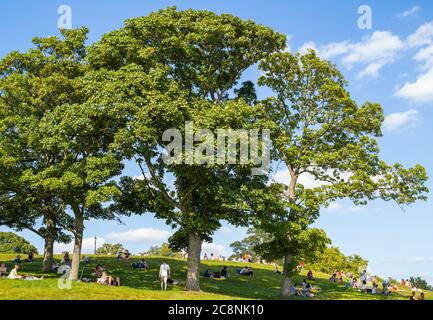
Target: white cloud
<point>419,91</point>
<point>398,120</point>
<point>87,248</point>
<point>422,36</point>
<point>410,12</point>
<point>306,179</point>
<point>142,235</point>
<point>372,53</point>
<point>216,249</point>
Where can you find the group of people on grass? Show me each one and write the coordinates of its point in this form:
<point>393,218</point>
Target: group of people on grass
<point>366,283</point>
<point>123,254</point>
<point>223,274</point>
<point>305,290</point>
<point>213,257</point>
<point>14,275</point>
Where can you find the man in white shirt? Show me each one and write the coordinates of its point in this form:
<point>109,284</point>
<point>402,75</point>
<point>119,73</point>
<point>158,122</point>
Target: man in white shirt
<point>164,274</point>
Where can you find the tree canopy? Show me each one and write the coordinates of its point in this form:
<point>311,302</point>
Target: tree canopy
<point>12,243</point>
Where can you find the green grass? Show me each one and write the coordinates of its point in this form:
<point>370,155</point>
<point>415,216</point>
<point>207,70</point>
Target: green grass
<point>145,284</point>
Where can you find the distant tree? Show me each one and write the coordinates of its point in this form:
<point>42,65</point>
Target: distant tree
<point>247,245</point>
<point>332,259</point>
<point>109,249</point>
<point>12,243</point>
<point>420,283</point>
<point>164,251</point>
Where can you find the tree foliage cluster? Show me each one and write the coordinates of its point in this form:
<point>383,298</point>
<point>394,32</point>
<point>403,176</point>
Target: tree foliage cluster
<point>332,259</point>
<point>12,243</point>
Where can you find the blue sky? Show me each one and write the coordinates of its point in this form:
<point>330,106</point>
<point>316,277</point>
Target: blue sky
<point>391,63</point>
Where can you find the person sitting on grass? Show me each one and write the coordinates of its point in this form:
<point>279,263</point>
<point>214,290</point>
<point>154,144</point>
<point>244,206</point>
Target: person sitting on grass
<point>108,280</point>
<point>3,270</point>
<point>15,276</point>
<point>306,291</point>
<point>224,273</point>
<point>413,296</point>
<point>207,273</point>
<point>294,290</point>
<point>66,259</point>
<point>126,255</point>
<point>30,257</point>
<point>310,275</point>
<point>276,269</point>
<point>421,297</point>
<point>18,260</point>
<point>333,277</point>
<point>85,259</point>
<point>216,275</point>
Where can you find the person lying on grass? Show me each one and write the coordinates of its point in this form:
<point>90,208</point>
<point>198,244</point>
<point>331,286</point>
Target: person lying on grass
<point>15,276</point>
<point>105,279</point>
<point>141,265</point>
<point>99,269</point>
<point>3,270</point>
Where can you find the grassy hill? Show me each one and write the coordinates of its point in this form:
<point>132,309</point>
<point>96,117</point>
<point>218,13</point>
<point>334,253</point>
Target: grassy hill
<point>145,284</point>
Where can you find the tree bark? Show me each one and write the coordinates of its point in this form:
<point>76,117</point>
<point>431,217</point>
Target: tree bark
<point>193,262</point>
<point>285,288</point>
<point>49,238</point>
<point>48,254</point>
<point>78,241</point>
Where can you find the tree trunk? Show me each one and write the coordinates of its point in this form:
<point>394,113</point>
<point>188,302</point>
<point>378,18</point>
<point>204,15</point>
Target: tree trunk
<point>78,241</point>
<point>285,289</point>
<point>193,262</point>
<point>48,254</point>
<point>49,238</point>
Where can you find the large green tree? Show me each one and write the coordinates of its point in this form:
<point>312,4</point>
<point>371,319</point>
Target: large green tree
<point>54,138</point>
<point>176,66</point>
<point>318,129</point>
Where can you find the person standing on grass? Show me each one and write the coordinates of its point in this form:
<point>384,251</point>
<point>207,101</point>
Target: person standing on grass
<point>164,274</point>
